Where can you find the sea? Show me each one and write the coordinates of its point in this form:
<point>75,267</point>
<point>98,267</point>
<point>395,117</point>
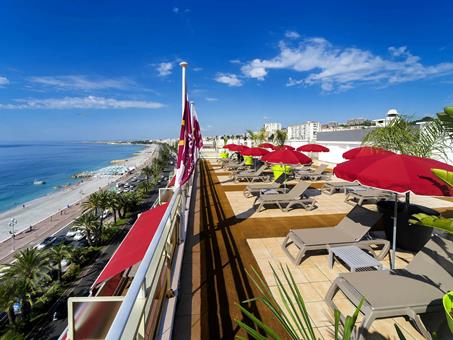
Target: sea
<point>53,162</point>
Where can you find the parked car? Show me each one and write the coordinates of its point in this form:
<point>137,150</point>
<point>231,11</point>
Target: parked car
<point>59,240</point>
<point>80,235</point>
<point>105,213</point>
<point>45,243</point>
<point>71,232</point>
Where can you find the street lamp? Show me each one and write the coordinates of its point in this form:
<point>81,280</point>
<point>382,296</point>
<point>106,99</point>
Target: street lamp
<point>13,233</point>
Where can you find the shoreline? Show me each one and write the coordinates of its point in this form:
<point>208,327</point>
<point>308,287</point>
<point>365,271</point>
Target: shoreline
<point>42,208</point>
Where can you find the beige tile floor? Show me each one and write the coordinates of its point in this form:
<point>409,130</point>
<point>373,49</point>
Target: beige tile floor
<point>326,204</point>
<point>314,278</point>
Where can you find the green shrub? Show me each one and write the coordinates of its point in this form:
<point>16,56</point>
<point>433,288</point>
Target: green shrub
<point>71,273</point>
<point>12,335</point>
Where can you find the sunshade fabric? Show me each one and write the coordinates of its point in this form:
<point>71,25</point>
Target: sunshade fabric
<point>313,148</point>
<point>135,244</point>
<point>267,146</point>
<point>255,152</point>
<point>397,173</point>
<point>286,157</point>
<point>365,151</point>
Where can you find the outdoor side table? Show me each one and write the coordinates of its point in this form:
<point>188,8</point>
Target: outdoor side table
<point>354,257</point>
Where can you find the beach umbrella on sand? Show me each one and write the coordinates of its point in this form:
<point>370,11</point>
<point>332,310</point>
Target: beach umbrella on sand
<point>365,151</point>
<point>267,146</point>
<point>397,173</point>
<point>313,148</point>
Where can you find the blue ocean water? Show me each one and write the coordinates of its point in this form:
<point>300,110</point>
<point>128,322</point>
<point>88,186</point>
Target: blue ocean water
<point>55,163</point>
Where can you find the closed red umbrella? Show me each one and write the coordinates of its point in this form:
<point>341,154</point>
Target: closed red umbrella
<point>286,157</point>
<point>397,173</point>
<point>313,148</point>
<point>255,152</point>
<point>267,146</point>
<point>365,151</point>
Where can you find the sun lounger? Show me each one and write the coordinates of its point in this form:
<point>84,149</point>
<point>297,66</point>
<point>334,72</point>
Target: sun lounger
<point>252,176</point>
<point>415,290</point>
<point>235,165</point>
<point>313,175</point>
<point>291,198</point>
<point>367,195</point>
<point>255,188</point>
<point>350,231</point>
<point>333,187</point>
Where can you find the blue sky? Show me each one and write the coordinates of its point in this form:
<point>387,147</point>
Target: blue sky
<point>78,70</point>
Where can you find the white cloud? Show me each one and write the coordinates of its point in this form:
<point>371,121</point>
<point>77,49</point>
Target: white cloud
<point>81,82</point>
<point>4,81</point>
<point>89,102</point>
<point>229,79</point>
<point>197,69</point>
<point>235,61</point>
<point>292,35</point>
<point>339,69</point>
<point>164,69</point>
<point>211,99</point>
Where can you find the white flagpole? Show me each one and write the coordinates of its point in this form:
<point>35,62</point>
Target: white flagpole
<point>182,226</point>
<point>183,67</point>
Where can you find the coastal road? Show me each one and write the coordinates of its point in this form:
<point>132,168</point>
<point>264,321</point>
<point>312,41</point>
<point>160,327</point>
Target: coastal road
<point>51,224</point>
<point>51,330</point>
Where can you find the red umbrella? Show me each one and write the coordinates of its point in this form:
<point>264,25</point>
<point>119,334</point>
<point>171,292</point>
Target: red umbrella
<point>229,146</point>
<point>397,173</point>
<point>286,157</point>
<point>286,147</point>
<point>365,151</point>
<point>313,148</point>
<point>267,146</point>
<point>256,152</point>
<point>241,149</point>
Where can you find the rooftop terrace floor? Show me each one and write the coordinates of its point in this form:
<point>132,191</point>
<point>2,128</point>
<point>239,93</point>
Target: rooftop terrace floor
<point>222,244</point>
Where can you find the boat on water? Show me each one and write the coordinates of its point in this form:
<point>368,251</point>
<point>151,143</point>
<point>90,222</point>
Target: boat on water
<point>38,182</point>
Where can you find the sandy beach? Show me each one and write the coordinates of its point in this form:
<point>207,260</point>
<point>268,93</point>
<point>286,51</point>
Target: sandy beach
<point>42,208</point>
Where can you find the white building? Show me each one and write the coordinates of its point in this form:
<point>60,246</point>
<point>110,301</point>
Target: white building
<point>339,142</point>
<point>391,115</point>
<point>304,132</point>
<point>271,128</point>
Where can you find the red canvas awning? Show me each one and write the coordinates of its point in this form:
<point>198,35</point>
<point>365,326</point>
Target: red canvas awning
<point>135,244</point>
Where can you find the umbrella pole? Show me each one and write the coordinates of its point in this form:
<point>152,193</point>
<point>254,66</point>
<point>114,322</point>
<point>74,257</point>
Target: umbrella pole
<point>395,217</point>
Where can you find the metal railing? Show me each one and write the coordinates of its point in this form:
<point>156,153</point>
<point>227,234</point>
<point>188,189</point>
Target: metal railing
<point>140,312</point>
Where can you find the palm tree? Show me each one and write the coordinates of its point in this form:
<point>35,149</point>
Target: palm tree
<point>403,136</point>
<point>113,203</point>
<point>94,202</point>
<point>156,170</point>
<point>57,254</point>
<point>29,271</point>
<point>89,223</point>
<point>280,137</point>
<point>8,297</point>
<point>147,171</point>
<point>253,136</point>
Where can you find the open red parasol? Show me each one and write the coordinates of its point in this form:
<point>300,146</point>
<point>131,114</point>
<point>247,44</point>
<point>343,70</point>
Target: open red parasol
<point>286,157</point>
<point>313,148</point>
<point>365,151</point>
